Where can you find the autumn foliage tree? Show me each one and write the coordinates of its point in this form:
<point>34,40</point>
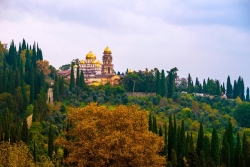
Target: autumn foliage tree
<point>118,137</point>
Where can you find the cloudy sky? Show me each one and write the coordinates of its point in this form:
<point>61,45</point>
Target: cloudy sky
<point>206,38</point>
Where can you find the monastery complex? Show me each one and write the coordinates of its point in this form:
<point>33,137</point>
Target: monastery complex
<point>96,72</point>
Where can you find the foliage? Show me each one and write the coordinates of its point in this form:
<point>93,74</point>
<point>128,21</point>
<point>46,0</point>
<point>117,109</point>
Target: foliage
<point>111,138</point>
<point>17,154</point>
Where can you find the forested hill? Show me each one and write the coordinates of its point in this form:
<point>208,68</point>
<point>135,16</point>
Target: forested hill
<point>176,122</point>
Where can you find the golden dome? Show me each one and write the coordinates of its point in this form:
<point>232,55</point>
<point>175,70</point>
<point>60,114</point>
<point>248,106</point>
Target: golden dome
<point>97,66</point>
<point>82,62</point>
<point>90,55</point>
<point>75,66</point>
<point>130,71</point>
<point>107,50</point>
<point>98,62</point>
<point>93,62</point>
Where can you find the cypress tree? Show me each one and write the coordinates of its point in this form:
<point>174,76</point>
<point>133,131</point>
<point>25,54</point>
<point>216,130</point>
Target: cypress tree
<point>150,125</point>
<point>241,161</point>
<point>56,93</point>
<point>32,87</point>
<point>193,159</point>
<point>242,91</point>
<point>218,90</point>
<point>235,90</point>
<point>246,150</point>
<point>181,144</point>
<point>175,135</point>
<point>166,139</point>
<point>34,56</point>
<point>202,159</point>
<point>72,79</point>
<point>247,96</point>
<point>25,131</point>
<point>230,141</point>
<point>215,152</point>
<point>200,140</point>
<point>173,158</point>
<point>237,151</point>
<point>158,83</point>
<point>82,81</point>
<point>77,76</point>
<point>34,152</point>
<point>163,84</point>
<point>160,131</point>
<point>170,84</point>
<point>170,137</point>
<point>225,151</point>
<point>50,142</point>
<point>35,112</point>
<point>155,125</point>
<point>229,88</point>
<point>207,148</point>
<point>204,86</point>
<point>189,84</point>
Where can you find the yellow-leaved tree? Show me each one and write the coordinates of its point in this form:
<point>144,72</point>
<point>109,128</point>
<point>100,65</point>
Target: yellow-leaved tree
<point>119,137</point>
<point>17,154</point>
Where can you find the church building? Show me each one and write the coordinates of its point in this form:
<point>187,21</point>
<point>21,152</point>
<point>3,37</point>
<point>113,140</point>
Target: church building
<point>97,72</point>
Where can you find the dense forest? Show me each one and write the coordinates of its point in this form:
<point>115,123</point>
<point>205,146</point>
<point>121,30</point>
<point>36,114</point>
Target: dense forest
<point>174,122</point>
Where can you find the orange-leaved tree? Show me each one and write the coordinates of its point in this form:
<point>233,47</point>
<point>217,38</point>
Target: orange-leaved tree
<point>119,137</point>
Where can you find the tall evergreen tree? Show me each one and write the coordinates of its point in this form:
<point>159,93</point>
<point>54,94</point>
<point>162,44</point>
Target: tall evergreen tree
<point>229,88</point>
<point>50,142</point>
<point>34,152</point>
<point>72,79</point>
<point>238,151</point>
<point>215,152</point>
<point>158,83</point>
<point>230,141</point>
<point>78,76</point>
<point>25,131</point>
<point>190,86</point>
<point>247,96</point>
<point>170,137</point>
<point>56,93</point>
<point>165,139</point>
<point>32,86</point>
<point>200,140</point>
<point>163,84</point>
<point>82,81</point>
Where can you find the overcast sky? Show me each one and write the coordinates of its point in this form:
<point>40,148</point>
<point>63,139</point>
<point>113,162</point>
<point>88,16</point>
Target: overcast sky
<point>206,38</point>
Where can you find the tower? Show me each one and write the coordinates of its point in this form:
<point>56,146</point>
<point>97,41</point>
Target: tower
<point>107,66</point>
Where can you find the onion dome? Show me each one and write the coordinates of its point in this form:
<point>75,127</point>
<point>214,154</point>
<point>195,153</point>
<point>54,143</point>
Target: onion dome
<point>90,55</point>
<point>82,62</point>
<point>75,66</point>
<point>130,71</point>
<point>97,66</point>
<point>107,50</point>
<point>93,62</point>
<point>98,62</point>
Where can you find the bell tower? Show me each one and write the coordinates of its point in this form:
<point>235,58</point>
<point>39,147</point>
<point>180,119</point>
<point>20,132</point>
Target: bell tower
<point>107,66</point>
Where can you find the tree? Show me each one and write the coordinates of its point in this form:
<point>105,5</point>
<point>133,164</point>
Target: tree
<point>215,152</point>
<point>120,137</point>
<point>131,78</point>
<point>200,140</point>
<point>43,66</point>
<point>158,83</point>
<point>72,78</point>
<point>172,75</point>
<point>242,114</point>
<point>247,96</point>
<point>229,88</point>
<point>17,154</point>
<point>50,142</point>
<point>163,84</point>
<point>25,131</point>
<point>82,81</point>
<point>78,76</point>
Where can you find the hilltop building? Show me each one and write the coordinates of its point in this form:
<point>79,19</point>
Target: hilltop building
<point>96,72</point>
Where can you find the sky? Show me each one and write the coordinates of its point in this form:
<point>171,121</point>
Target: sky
<point>206,38</point>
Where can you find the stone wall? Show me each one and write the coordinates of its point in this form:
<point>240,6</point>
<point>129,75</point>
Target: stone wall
<point>140,94</point>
